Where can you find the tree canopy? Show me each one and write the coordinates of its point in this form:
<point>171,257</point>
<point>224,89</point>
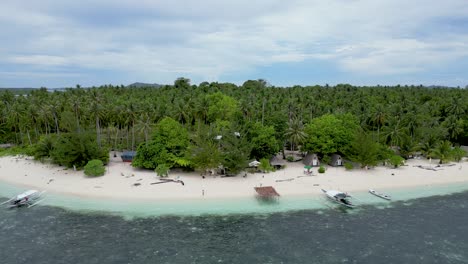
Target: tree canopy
<point>330,133</point>
<point>160,121</point>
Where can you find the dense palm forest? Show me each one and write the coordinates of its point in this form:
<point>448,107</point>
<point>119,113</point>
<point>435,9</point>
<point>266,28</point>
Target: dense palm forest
<point>199,127</point>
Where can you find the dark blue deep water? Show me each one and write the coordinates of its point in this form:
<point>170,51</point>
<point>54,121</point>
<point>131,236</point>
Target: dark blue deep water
<point>426,230</point>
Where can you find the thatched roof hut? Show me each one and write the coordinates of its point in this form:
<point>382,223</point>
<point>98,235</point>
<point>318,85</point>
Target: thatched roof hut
<point>311,159</point>
<point>266,191</point>
<point>276,162</point>
<point>336,160</point>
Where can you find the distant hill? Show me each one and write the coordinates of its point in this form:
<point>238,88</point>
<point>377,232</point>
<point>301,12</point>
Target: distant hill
<point>18,90</point>
<point>140,85</point>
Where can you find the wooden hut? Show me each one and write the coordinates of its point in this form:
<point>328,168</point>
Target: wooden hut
<point>336,160</point>
<point>266,192</point>
<point>276,162</point>
<point>311,159</point>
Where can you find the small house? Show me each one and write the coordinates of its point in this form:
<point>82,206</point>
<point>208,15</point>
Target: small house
<point>276,162</point>
<point>336,160</point>
<point>127,156</point>
<point>311,159</point>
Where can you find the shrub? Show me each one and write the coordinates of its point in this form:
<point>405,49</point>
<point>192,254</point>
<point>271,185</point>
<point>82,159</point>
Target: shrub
<point>16,150</point>
<point>94,168</point>
<point>457,154</point>
<point>265,165</point>
<point>348,166</point>
<point>326,159</point>
<point>290,158</point>
<point>77,149</point>
<point>321,169</point>
<point>396,161</point>
<point>162,170</point>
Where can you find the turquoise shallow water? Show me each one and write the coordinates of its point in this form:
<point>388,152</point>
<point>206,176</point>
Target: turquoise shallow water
<point>248,205</point>
<point>424,230</point>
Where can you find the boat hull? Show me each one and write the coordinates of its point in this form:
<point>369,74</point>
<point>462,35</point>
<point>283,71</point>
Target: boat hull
<point>380,195</point>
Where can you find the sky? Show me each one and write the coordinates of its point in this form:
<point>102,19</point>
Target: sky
<point>62,43</point>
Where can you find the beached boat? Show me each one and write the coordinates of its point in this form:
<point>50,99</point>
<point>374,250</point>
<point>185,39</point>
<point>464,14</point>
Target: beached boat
<point>381,195</point>
<point>339,197</point>
<point>29,198</point>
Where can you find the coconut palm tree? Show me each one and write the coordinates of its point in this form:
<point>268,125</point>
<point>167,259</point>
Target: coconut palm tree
<point>295,132</point>
<point>443,151</point>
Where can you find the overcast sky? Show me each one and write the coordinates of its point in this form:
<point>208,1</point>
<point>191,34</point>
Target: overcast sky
<point>61,43</point>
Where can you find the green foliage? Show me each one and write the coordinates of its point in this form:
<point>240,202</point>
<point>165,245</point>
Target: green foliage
<point>265,166</point>
<point>263,141</point>
<point>443,151</point>
<point>221,107</point>
<point>150,155</point>
<point>457,153</point>
<point>73,149</point>
<point>364,150</point>
<point>173,135</point>
<point>94,168</point>
<point>45,146</point>
<point>204,151</point>
<point>348,166</point>
<point>321,169</point>
<point>295,132</point>
<point>234,151</point>
<point>326,159</point>
<point>330,134</point>
<point>407,146</point>
<point>396,161</point>
<point>182,83</point>
<point>162,170</point>
<point>290,158</point>
<point>17,150</point>
<point>124,118</point>
<point>168,146</point>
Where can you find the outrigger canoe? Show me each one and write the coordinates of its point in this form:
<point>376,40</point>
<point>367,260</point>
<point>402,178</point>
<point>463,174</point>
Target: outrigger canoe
<point>381,195</point>
<point>29,198</point>
<point>339,198</point>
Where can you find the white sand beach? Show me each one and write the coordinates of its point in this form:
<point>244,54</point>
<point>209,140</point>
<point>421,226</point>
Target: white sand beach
<point>122,181</point>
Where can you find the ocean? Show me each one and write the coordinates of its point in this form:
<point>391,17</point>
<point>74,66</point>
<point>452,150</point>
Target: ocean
<point>432,229</point>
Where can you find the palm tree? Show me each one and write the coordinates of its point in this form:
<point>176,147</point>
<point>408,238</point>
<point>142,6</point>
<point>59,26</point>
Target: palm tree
<point>456,107</point>
<point>378,119</point>
<point>143,124</point>
<point>295,132</point>
<point>443,151</point>
<point>97,111</point>
<point>454,126</point>
<point>393,133</point>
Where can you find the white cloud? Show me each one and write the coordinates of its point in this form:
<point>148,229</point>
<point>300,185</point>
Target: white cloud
<point>207,39</point>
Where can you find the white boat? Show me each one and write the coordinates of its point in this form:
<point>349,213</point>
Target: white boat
<point>381,195</point>
<point>29,198</point>
<point>339,197</point>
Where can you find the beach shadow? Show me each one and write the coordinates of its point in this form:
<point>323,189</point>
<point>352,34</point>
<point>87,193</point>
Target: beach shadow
<point>267,200</point>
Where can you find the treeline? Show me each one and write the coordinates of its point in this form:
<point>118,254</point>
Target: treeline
<point>234,123</point>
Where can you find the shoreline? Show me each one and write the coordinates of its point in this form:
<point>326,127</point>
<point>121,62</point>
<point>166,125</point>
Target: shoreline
<point>120,178</point>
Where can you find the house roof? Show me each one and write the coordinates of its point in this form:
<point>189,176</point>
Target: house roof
<point>334,158</point>
<point>266,191</point>
<point>275,161</point>
<point>308,159</point>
